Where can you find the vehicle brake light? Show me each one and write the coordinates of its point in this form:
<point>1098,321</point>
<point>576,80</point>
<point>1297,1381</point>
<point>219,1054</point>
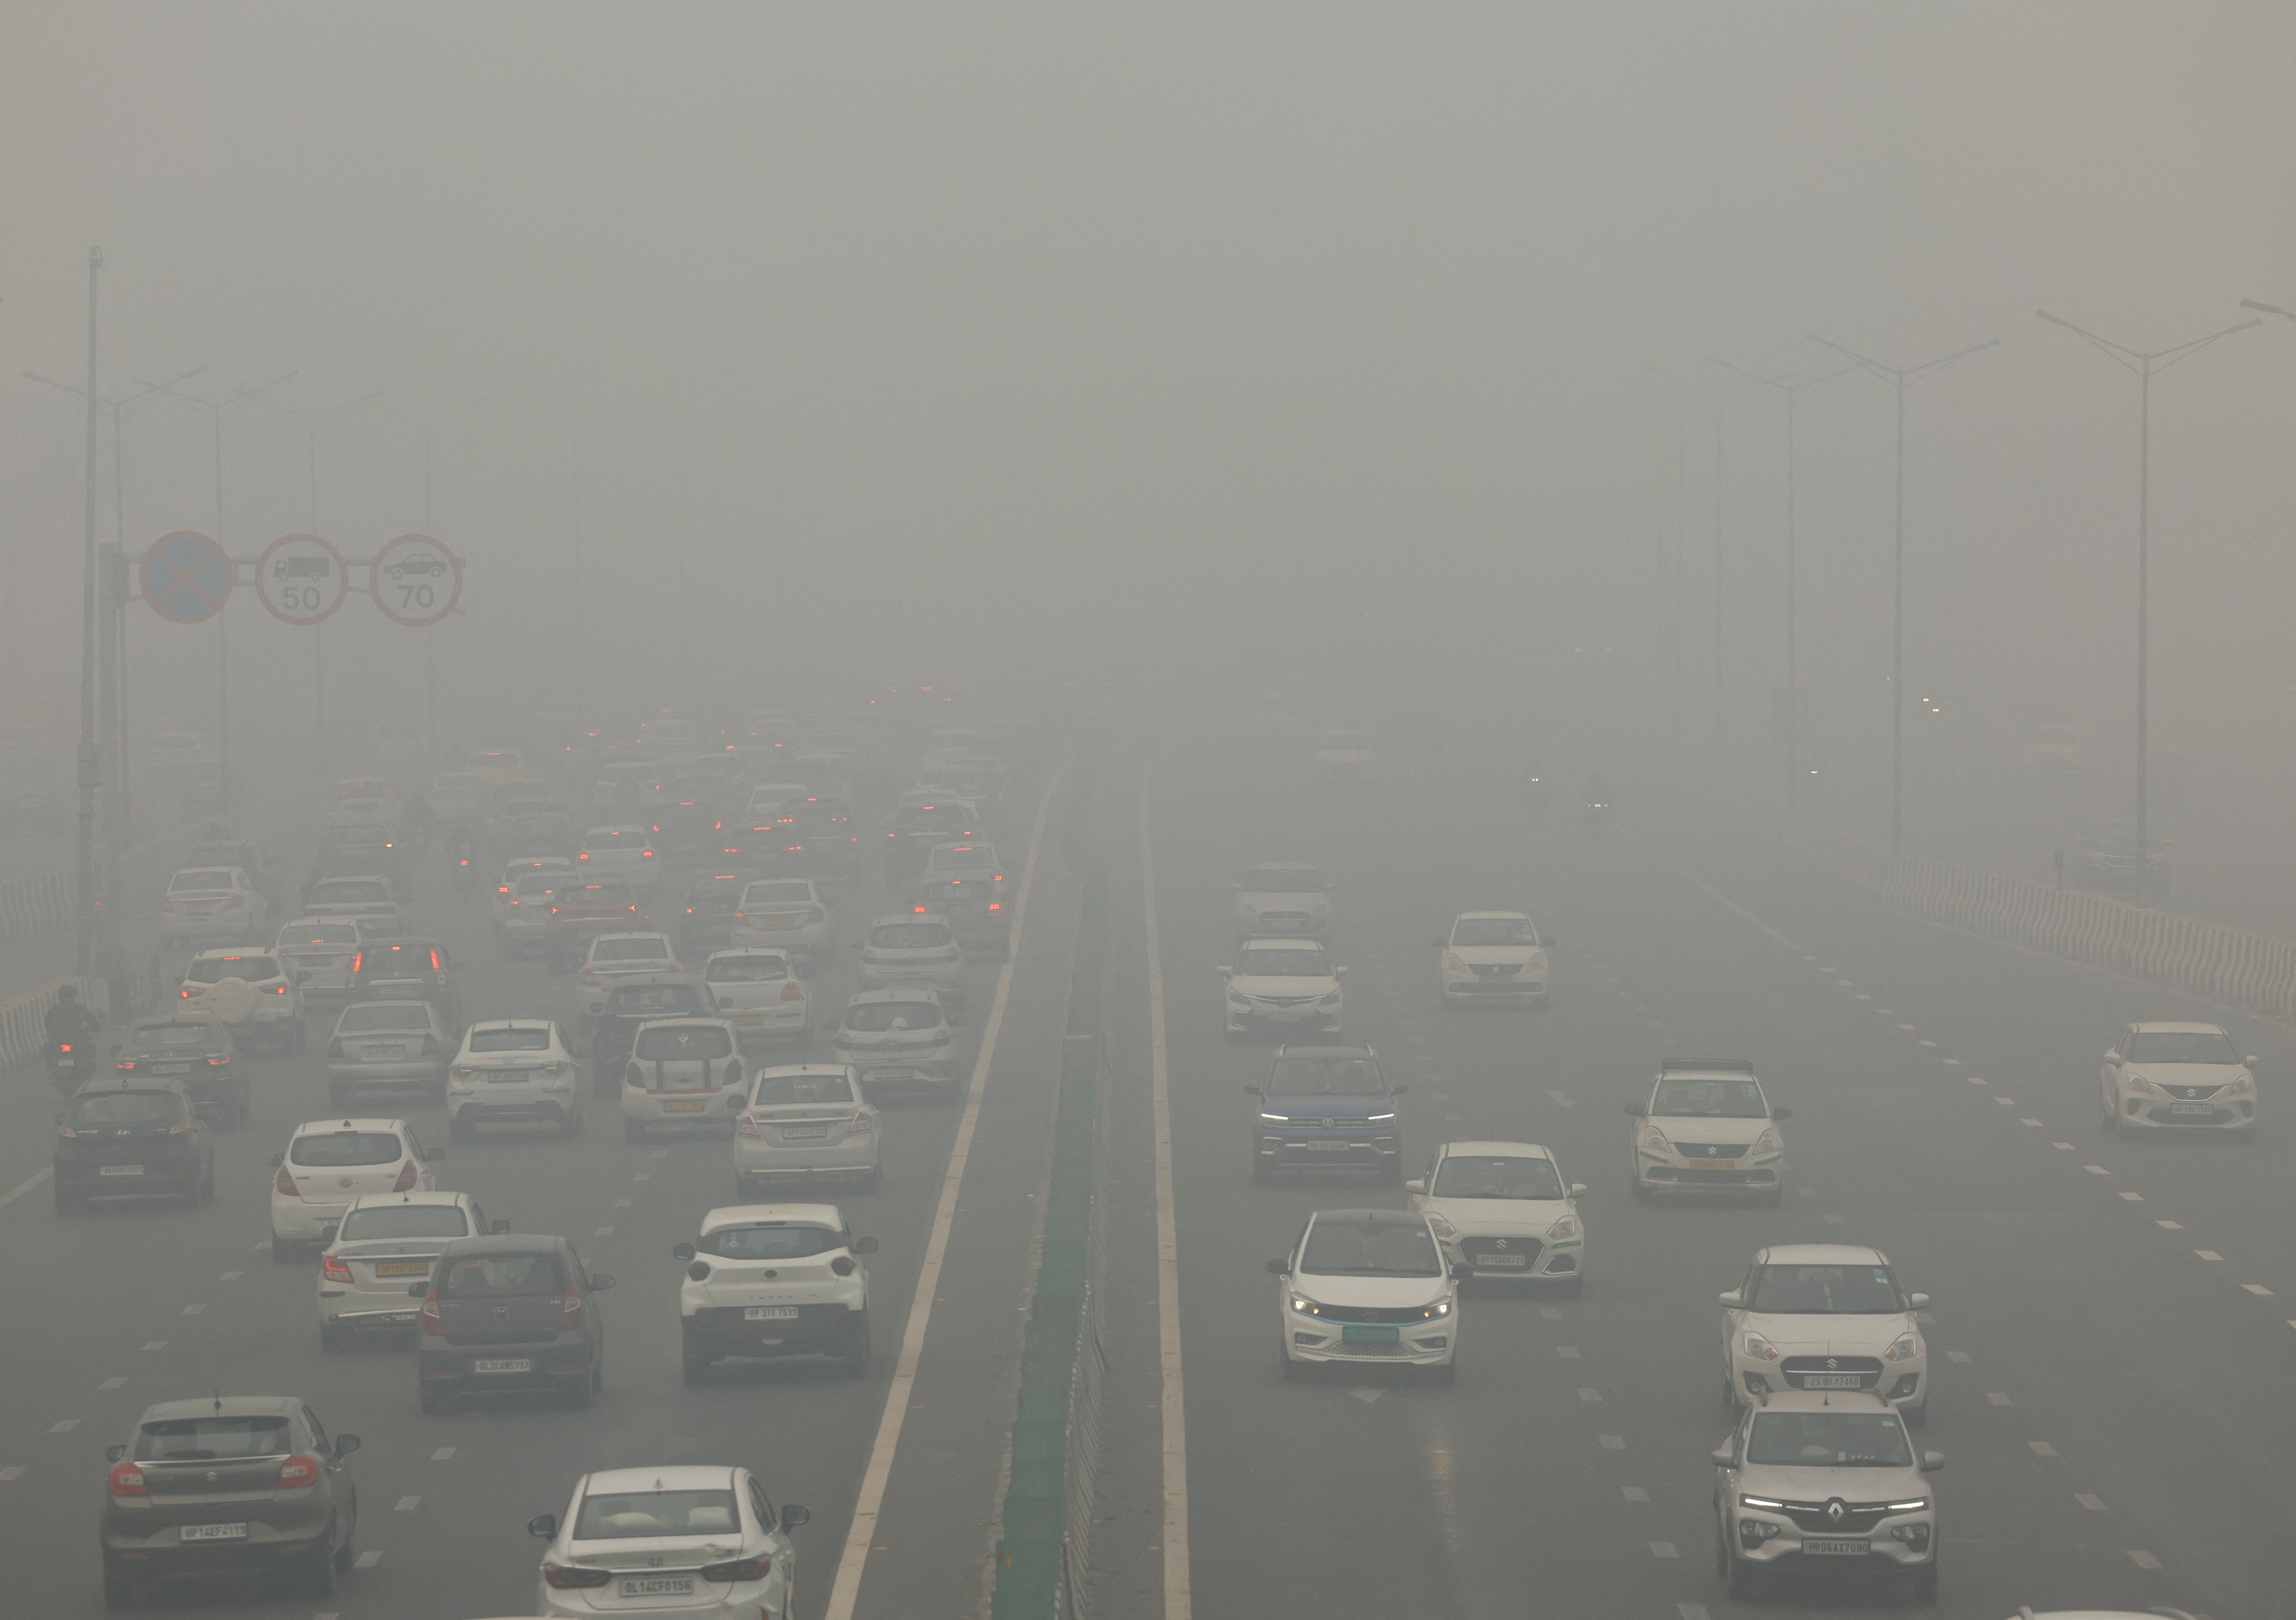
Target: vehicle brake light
<point>745,1126</point>
<point>182,1127</point>
<point>842,1265</point>
<point>584,855</point>
<point>435,966</point>
<point>187,992</point>
<point>563,1575</point>
<point>405,1182</point>
<point>64,1045</point>
<point>739,1569</point>
<point>429,1045</point>
<point>570,1313</point>
<point>213,1063</point>
<point>66,1133</point>
<point>128,1480</point>
<point>792,991</point>
<point>699,1271</point>
<point>862,1125</point>
<point>335,1267</point>
<point>428,1316</point>
<point>279,990</point>
<point>298,1473</point>
<point>284,1185</point>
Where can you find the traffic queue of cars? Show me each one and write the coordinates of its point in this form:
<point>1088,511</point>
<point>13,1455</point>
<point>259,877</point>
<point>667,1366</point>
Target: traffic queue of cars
<point>704,1025</point>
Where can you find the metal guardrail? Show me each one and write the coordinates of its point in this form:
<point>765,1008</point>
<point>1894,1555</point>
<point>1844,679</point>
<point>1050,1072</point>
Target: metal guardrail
<point>34,907</point>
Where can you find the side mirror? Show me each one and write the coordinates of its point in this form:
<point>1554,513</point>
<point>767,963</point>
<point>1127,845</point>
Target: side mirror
<point>1933,1461</point>
<point>1777,1113</point>
<point>345,1444</point>
<point>416,1290</point>
<point>1461,1271</point>
<point>1338,972</point>
<point>2112,1060</point>
<point>600,1282</point>
<point>277,1159</point>
<point>684,1251</point>
<point>1638,1111</point>
<point>1249,1090</point>
<point>1917,1302</point>
<point>1280,1267</point>
<point>1734,1299</point>
<point>2251,1060</point>
<point>1414,1185</point>
<point>863,1245</point>
<point>544,1524</point>
<point>1577,1189</point>
<point>497,1229</point>
<point>113,1454</point>
<point>793,1517</point>
<point>1723,1456</point>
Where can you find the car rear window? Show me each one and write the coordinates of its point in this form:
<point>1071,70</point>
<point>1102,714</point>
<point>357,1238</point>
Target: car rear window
<point>377,1017</point>
<point>347,1149</point>
<point>655,999</point>
<point>747,970</point>
<point>318,933</point>
<point>217,1438</point>
<point>203,879</point>
<point>774,1090</point>
<point>771,1242</point>
<point>595,894</point>
<point>404,1220</point>
<point>172,1034</point>
<point>786,892</point>
<point>1281,880</point>
<point>503,1276</point>
<point>627,1514</point>
<point>683,1043</point>
<point>616,840</point>
<point>214,970</point>
<point>125,1108</point>
<point>909,936</point>
<point>533,885</point>
<point>878,1018</point>
<point>510,1041</point>
<point>629,950</point>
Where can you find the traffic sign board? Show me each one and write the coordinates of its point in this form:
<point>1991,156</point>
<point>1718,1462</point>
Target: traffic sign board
<point>185,577</point>
<point>415,581</point>
<point>301,579</point>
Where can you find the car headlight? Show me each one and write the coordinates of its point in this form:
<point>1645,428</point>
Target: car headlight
<point>2145,1086</point>
<point>1333,1000</point>
<point>1440,1308</point>
<point>1303,1304</point>
<point>1654,1140</point>
<point>1563,1230</point>
<point>1379,1119</point>
<point>1276,1119</point>
<point>1444,1228</point>
<point>1767,1145</point>
<point>1905,1347</point>
<point>1237,999</point>
<point>1754,1347</point>
<point>2244,1085</point>
<point>1454,963</point>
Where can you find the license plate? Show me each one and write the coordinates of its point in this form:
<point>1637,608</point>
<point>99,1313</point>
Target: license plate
<point>770,1314</point>
<point>1830,1380</point>
<point>508,1364</point>
<point>166,1068</point>
<point>403,1267</point>
<point>212,1533</point>
<point>1836,1547</point>
<point>682,1107</point>
<point>748,1020</point>
<point>1485,1260</point>
<point>1714,1164</point>
<point>1369,1335</point>
<point>374,1053</point>
<point>123,1169</point>
<point>2201,1108</point>
<point>805,1133</point>
<point>654,1586</point>
<point>1327,1147</point>
<point>897,1074</point>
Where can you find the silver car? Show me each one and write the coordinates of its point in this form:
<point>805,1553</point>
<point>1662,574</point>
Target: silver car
<point>396,1044</point>
<point>900,1037</point>
<point>908,948</point>
<point>368,897</point>
<point>320,949</point>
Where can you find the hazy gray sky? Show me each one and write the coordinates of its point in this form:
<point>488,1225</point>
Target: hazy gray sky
<point>825,321</point>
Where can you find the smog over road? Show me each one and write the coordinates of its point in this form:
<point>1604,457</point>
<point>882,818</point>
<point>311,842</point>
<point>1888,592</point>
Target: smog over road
<point>1160,812</point>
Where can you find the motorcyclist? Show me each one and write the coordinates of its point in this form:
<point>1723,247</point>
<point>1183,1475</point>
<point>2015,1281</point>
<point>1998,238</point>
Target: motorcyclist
<point>70,1018</point>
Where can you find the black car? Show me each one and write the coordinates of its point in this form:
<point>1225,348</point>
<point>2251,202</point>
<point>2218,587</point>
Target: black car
<point>1327,1106</point>
<point>509,1313</point>
<point>132,1137</point>
<point>195,1050</point>
<point>703,916</point>
<point>408,969</point>
<point>638,1000</point>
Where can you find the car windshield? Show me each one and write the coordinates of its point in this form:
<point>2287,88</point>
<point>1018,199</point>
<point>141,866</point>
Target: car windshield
<point>655,999</point>
<point>783,891</point>
<point>594,894</point>
<point>512,1039</point>
<point>909,936</point>
<point>174,1034</point>
<point>1829,1440</point>
<point>625,1514</point>
<point>682,1043</point>
<point>777,1090</point>
<point>771,1242</point>
<point>1492,931</point>
<point>124,1108</point>
<point>2180,1046</point>
<point>1705,1098</point>
<point>404,1220</point>
<point>1282,880</point>
<point>1289,962</point>
<point>1372,1248</point>
<point>212,970</point>
<point>380,1017</point>
<point>597,841</point>
<point>502,1276</point>
<point>747,970</point>
<point>880,1017</point>
<point>1468,1175</point>
<point>317,933</point>
<point>1335,1076</point>
<point>1855,1290</point>
<point>204,880</point>
<point>347,1149</point>
<point>630,951</point>
<point>215,1438</point>
<point>533,886</point>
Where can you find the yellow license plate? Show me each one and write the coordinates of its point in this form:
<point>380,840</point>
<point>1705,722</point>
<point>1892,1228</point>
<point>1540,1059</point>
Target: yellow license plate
<point>403,1267</point>
<point>1714,1164</point>
<point>682,1107</point>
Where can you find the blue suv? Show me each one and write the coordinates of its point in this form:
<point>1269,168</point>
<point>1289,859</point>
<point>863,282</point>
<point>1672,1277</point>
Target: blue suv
<point>1327,1105</point>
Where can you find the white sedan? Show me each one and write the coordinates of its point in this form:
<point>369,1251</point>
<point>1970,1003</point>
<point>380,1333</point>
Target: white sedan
<point>514,1072</point>
<point>677,1542</point>
<point>1824,1316</point>
<point>1492,957</point>
<point>1283,987</point>
<point>808,1121</point>
<point>1503,1209</point>
<point>760,995</point>
<point>386,1243</point>
<point>1367,1285</point>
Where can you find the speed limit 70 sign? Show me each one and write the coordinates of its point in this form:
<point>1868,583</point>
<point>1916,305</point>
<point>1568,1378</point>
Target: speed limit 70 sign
<point>301,579</point>
<point>415,581</point>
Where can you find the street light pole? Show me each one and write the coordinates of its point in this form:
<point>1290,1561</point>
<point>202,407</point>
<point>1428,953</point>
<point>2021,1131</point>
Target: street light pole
<point>1718,399</point>
<point>1899,378</point>
<point>2145,366</point>
<point>91,770</point>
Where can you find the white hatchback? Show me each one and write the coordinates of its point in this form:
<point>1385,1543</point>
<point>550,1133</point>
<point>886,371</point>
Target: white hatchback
<point>329,1163</point>
<point>784,914</point>
<point>386,1243</point>
<point>771,1280</point>
<point>1503,1209</point>
<point>683,1071</point>
<point>620,854</point>
<point>761,995</point>
<point>370,898</point>
<point>2172,1077</point>
<point>677,1542</point>
<point>1365,1285</point>
<point>618,955</point>
<point>912,947</point>
<point>1824,1316</point>
<point>1283,987</point>
<point>514,1072</point>
<point>809,1121</point>
<point>318,950</point>
<point>251,990</point>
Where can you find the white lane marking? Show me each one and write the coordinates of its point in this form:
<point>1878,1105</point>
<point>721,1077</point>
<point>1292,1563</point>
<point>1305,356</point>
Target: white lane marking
<point>1663,1550</point>
<point>12,1472</point>
<point>603,1231</point>
<point>1558,1097</point>
<point>2134,1197</point>
<point>194,1310</point>
<point>2169,1226</point>
<point>155,1344</point>
<point>2029,1122</point>
<point>2062,1146</point>
<point>1974,1079</point>
<point>1692,1611</point>
<point>370,1557</point>
<point>1634,1494</point>
<point>1864,998</point>
<point>2257,1289</point>
<point>230,1277</point>
<point>1905,1026</point>
<point>1366,1394</point>
<point>1831,1220</point>
<point>2096,1170</point>
<point>1568,1353</point>
<point>1997,1397</point>
<point>846,1590</point>
<point>1553,1313</point>
<point>2095,1504</point>
<point>261,1246</point>
<point>642,1175</point>
<point>1590,1394</point>
<point>621,1203</point>
<point>2143,1560</point>
<point>1612,1442</point>
<point>1806,1192</point>
<point>1927,1043</point>
<point>1180,1593</point>
<point>1846,984</point>
<point>442,1453</point>
<point>26,1184</point>
<point>2006,1102</point>
<point>2042,1448</point>
<point>408,1504</point>
<point>1715,894</point>
<point>2209,1255</point>
<point>113,1384</point>
<point>64,1426</point>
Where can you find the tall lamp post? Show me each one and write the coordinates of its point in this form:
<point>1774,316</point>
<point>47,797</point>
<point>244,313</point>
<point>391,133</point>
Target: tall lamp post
<point>1899,378</point>
<point>1718,399</point>
<point>2145,366</point>
<point>1791,393</point>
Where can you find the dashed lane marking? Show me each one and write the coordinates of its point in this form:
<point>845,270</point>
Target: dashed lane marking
<point>26,1184</point>
<point>408,1504</point>
<point>1568,1353</point>
<point>1634,1494</point>
<point>1831,1220</point>
<point>194,1310</point>
<point>1553,1313</point>
<point>1956,1355</point>
<point>2209,1255</point>
<point>113,1384</point>
<point>1612,1442</point>
<point>1367,1394</point>
<point>442,1453</point>
<point>2134,1197</point>
<point>2096,1170</point>
<point>2257,1289</point>
<point>370,1557</point>
<point>1590,1394</point>
<point>2143,1561</point>
<point>155,1344</point>
<point>2062,1146</point>
<point>2095,1504</point>
<point>1997,1397</point>
<point>64,1426</point>
<point>230,1277</point>
<point>2029,1122</point>
<point>1663,1550</point>
<point>2042,1448</point>
<point>2169,1226</point>
<point>12,1472</point>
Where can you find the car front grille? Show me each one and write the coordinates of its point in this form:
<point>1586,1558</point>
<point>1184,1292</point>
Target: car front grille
<point>1857,1517</point>
<point>1865,1369</point>
<point>1502,970</point>
<point>1373,1313</point>
<point>2191,1094</point>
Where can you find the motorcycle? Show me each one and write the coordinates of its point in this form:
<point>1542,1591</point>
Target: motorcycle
<point>464,875</point>
<point>1598,817</point>
<point>69,1062</point>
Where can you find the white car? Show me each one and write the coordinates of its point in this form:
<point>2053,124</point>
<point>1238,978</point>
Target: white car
<point>368,899</point>
<point>677,1542</point>
<point>1285,987</point>
<point>618,955</point>
<point>1503,1209</point>
<point>386,1243</point>
<point>811,1120</point>
<point>622,854</point>
<point>251,990</point>
<point>1283,897</point>
<point>1345,754</point>
<point>514,1072</point>
<point>760,995</point>
<point>1367,1285</point>
<point>768,1280</point>
<point>329,1163</point>
<point>899,1038</point>
<point>213,904</point>
<point>317,952</point>
<point>1708,1127</point>
<point>683,1071</point>
<point>508,893</point>
<point>785,914</point>
<point>2177,1077</point>
<point>1492,957</point>
<point>1827,1487</point>
<point>910,948</point>
<point>1824,1316</point>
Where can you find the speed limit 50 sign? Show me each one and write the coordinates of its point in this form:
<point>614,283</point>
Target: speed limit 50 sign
<point>415,581</point>
<point>301,579</point>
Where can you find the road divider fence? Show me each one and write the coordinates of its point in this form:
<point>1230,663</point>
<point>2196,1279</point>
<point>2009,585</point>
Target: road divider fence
<point>23,1030</point>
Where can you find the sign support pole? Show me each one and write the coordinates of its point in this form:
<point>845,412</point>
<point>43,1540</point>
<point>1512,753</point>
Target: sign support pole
<point>91,766</point>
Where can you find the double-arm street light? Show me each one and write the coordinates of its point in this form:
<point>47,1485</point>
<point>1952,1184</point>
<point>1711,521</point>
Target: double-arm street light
<point>2145,366</point>
<point>1899,378</point>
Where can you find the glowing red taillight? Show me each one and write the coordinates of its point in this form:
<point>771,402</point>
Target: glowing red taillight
<point>284,1185</point>
<point>335,1267</point>
<point>739,1569</point>
<point>570,1311</point>
<point>792,991</point>
<point>561,1575</point>
<point>298,1473</point>
<point>430,1314</point>
<point>128,1480</point>
<point>405,1182</point>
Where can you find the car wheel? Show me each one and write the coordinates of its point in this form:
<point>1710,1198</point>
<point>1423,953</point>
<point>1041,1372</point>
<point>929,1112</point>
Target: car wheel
<point>1729,1394</point>
<point>871,1181</point>
<point>1635,1189</point>
<point>857,1349</point>
<point>319,1580</point>
<point>632,1130</point>
<point>1917,1416</point>
<point>66,1204</point>
<point>119,1588</point>
<point>2108,1121</point>
<point>1737,1580</point>
<point>282,1251</point>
